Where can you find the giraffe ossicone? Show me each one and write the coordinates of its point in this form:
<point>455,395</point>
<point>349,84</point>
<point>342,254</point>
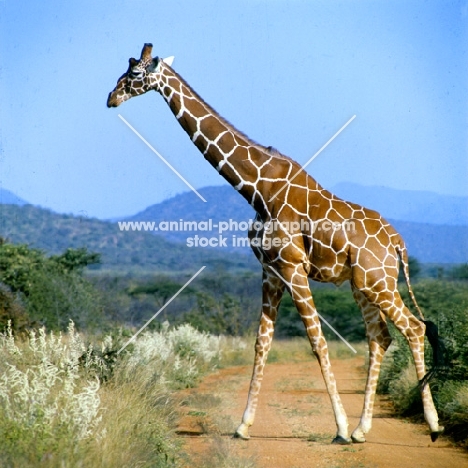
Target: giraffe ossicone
<point>368,255</point>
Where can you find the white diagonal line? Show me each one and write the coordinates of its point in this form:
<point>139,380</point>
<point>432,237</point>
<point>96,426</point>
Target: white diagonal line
<point>160,310</point>
<point>321,318</point>
<point>313,157</point>
<point>161,158</point>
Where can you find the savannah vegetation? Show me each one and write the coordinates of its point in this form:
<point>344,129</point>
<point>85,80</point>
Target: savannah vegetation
<point>446,304</point>
<point>68,397</point>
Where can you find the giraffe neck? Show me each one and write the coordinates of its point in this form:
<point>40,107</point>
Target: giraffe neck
<point>237,158</point>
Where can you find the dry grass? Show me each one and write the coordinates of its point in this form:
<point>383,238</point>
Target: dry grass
<point>139,421</point>
<point>237,352</point>
<point>54,412</point>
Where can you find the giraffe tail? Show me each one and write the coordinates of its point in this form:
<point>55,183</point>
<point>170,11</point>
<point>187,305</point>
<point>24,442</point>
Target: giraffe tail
<point>432,331</point>
<point>403,254</point>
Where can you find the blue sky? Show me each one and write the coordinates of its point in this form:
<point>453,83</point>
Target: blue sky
<point>287,73</point>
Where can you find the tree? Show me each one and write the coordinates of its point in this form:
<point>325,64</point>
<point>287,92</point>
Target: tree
<point>76,259</point>
<point>16,264</point>
<point>219,317</point>
<point>162,290</point>
<point>53,289</point>
<point>460,272</point>
<point>12,310</point>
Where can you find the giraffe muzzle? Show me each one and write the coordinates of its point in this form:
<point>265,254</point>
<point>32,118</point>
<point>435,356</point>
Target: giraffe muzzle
<point>111,101</point>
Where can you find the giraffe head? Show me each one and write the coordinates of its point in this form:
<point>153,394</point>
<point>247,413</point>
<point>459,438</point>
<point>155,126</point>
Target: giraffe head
<point>138,79</point>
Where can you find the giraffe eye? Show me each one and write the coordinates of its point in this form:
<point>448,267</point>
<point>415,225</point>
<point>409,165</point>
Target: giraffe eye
<point>136,73</point>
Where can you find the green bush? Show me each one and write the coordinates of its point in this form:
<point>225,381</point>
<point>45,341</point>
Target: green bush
<point>56,297</point>
<point>446,304</point>
<point>460,272</point>
<point>12,310</point>
<point>217,316</point>
<point>53,289</point>
<point>336,305</point>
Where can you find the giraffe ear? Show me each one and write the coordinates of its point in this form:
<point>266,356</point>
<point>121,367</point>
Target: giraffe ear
<point>132,62</point>
<point>169,60</point>
<point>151,68</point>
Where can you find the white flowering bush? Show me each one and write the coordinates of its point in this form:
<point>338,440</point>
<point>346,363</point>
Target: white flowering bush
<point>40,385</point>
<point>63,403</point>
<point>186,341</point>
<point>175,357</point>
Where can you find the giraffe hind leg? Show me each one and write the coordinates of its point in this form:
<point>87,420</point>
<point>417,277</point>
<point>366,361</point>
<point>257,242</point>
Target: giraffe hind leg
<point>393,307</point>
<point>414,331</point>
<point>379,340</point>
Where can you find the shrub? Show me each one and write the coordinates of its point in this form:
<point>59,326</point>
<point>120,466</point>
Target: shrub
<point>446,304</point>
<point>56,409</point>
<point>216,315</point>
<point>53,289</point>
<point>453,406</point>
<point>43,402</point>
<point>12,309</point>
<point>176,357</point>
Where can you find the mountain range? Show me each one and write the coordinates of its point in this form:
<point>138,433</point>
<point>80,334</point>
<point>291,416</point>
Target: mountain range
<point>9,198</point>
<point>127,252</point>
<point>402,205</point>
<point>435,227</point>
<point>435,230</point>
<point>407,205</point>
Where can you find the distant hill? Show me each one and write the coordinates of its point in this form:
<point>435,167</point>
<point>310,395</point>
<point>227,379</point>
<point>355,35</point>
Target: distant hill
<point>127,251</point>
<point>407,205</point>
<point>9,198</point>
<point>223,203</point>
<point>428,242</point>
<point>431,243</point>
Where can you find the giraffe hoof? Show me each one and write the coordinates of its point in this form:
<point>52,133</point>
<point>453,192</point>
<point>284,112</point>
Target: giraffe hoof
<point>435,435</point>
<point>358,440</point>
<point>242,432</point>
<point>238,435</point>
<point>341,441</point>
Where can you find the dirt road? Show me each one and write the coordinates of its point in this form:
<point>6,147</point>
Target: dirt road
<point>294,423</point>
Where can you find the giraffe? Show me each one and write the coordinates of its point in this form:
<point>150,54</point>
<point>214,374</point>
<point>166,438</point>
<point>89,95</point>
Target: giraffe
<point>299,234</point>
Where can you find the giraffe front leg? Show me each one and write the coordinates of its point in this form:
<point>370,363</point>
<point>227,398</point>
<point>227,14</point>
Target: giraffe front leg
<point>302,297</point>
<point>320,349</point>
<point>272,293</point>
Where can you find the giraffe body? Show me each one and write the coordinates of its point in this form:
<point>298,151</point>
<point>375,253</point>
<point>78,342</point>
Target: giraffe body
<point>301,231</point>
